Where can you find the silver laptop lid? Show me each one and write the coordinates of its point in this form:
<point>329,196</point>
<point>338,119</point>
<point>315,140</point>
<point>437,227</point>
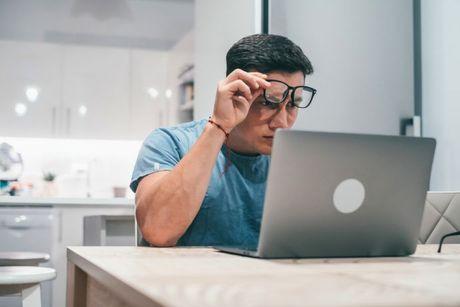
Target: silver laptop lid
<point>343,195</point>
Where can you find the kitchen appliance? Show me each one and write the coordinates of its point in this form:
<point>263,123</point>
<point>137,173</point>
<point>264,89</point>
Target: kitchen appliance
<point>11,166</point>
<point>27,229</point>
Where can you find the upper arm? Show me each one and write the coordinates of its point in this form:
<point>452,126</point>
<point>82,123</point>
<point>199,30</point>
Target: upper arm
<point>160,152</point>
<point>149,183</point>
<point>145,191</point>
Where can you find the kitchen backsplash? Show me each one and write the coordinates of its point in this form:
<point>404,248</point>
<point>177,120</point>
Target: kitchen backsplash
<point>83,168</point>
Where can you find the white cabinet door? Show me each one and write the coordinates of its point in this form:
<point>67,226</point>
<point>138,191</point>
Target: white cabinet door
<point>84,92</point>
<point>69,232</point>
<point>24,65</point>
<point>148,78</point>
<point>95,92</point>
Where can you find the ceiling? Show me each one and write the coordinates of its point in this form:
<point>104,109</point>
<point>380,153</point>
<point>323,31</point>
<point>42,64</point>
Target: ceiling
<point>150,24</point>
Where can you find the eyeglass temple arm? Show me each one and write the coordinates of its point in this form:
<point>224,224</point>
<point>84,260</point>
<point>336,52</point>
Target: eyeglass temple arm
<point>445,236</point>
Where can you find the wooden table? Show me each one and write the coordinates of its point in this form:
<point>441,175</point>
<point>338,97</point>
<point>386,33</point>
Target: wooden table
<point>142,276</point>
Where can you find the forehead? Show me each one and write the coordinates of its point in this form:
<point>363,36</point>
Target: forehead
<point>293,79</point>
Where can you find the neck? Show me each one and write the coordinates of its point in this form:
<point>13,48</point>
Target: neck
<point>239,145</point>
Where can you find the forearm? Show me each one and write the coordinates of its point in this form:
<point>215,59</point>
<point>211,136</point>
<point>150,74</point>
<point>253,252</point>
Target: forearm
<point>167,210</point>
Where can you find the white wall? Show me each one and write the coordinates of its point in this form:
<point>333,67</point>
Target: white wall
<point>218,25</point>
<point>441,89</point>
<point>362,54</point>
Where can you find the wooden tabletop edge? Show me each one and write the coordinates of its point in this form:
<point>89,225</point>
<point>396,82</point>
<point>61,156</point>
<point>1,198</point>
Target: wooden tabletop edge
<point>133,296</point>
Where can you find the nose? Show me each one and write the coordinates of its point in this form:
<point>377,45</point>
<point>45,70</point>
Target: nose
<point>280,118</point>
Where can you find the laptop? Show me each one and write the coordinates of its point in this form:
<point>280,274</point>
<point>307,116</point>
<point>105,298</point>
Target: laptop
<point>343,195</point>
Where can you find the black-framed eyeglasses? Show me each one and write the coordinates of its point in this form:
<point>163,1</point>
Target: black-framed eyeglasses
<point>445,236</point>
<point>301,96</point>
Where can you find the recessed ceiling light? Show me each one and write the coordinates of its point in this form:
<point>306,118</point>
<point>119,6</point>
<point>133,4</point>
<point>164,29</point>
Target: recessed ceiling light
<point>168,93</point>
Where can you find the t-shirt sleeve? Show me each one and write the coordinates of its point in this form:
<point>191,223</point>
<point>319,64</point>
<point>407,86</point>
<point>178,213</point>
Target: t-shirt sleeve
<point>159,152</point>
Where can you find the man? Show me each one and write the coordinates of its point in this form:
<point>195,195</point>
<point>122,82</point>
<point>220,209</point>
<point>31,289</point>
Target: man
<point>203,182</point>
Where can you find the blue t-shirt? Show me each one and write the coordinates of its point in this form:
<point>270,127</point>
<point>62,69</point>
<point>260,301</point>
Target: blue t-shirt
<point>231,211</point>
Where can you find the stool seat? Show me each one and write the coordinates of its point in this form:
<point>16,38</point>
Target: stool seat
<point>22,258</point>
<point>15,275</point>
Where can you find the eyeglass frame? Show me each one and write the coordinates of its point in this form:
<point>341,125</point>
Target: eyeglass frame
<point>293,89</point>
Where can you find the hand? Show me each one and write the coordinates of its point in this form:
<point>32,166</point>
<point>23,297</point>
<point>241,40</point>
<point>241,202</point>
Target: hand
<point>234,97</point>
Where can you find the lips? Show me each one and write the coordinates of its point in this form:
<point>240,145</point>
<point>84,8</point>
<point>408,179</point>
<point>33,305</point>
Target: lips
<point>268,138</point>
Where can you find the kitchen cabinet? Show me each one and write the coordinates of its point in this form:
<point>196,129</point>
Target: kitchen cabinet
<point>148,77</point>
<point>95,92</point>
<point>27,229</point>
<point>69,232</point>
<point>83,91</point>
<point>51,225</point>
<point>36,66</point>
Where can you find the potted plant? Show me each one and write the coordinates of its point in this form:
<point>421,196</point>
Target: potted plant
<point>49,186</point>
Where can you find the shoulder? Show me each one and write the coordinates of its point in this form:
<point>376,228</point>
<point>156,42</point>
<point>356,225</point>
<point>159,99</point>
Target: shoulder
<point>189,129</point>
<point>163,148</point>
<point>181,136</point>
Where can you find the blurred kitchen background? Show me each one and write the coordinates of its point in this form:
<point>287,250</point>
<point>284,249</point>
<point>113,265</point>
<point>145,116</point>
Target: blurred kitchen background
<point>83,82</point>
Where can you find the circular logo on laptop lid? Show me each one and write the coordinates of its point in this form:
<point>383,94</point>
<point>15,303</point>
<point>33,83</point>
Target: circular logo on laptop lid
<point>349,195</point>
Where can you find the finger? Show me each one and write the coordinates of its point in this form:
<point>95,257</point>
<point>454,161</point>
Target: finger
<point>239,87</point>
<point>261,79</point>
<point>259,74</point>
<point>263,83</point>
<point>239,74</point>
<point>241,103</point>
<point>258,77</point>
<point>257,94</point>
<point>242,99</point>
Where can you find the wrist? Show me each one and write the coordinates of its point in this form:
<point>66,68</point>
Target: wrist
<point>219,125</point>
<point>215,132</point>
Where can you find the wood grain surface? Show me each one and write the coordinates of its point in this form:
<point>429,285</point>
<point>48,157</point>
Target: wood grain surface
<point>142,276</point>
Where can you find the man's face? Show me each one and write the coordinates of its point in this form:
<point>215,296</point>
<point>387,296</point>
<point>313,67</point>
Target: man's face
<point>255,133</point>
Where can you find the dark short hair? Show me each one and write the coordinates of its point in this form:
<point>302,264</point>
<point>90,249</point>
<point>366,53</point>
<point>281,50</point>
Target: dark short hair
<point>266,53</point>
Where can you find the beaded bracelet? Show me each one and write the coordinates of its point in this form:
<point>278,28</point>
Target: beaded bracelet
<point>218,126</point>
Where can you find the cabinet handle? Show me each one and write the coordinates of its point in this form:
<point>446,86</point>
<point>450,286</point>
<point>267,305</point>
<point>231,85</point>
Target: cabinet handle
<point>53,122</point>
<point>18,227</point>
<point>60,226</point>
<point>68,121</point>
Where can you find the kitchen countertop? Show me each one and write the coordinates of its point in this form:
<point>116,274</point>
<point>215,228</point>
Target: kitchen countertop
<point>62,201</point>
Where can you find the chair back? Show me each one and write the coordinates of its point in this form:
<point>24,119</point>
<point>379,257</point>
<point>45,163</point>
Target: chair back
<point>441,216</point>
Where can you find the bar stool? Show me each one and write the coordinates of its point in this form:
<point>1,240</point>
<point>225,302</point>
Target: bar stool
<point>26,281</point>
<point>22,258</point>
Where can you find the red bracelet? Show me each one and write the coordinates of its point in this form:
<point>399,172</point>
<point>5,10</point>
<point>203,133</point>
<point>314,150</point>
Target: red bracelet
<point>218,126</point>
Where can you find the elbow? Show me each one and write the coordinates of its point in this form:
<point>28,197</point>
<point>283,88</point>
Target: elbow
<point>159,238</point>
<point>152,233</point>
